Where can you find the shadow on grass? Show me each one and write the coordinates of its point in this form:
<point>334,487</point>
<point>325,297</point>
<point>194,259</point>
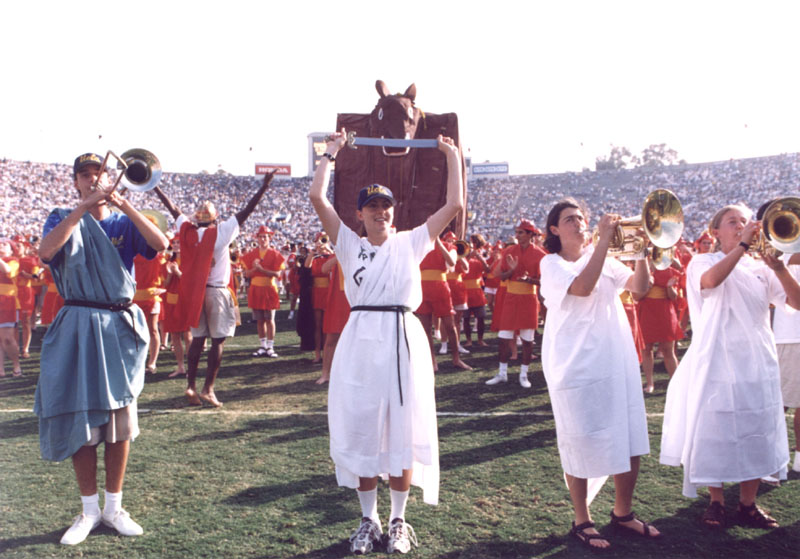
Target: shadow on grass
<point>19,427</point>
<point>38,539</point>
<point>504,447</point>
<point>292,429</point>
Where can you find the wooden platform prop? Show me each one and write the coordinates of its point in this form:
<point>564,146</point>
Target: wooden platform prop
<point>379,152</point>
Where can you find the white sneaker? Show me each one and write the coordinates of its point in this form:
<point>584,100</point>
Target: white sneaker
<point>462,349</point>
<point>497,379</point>
<point>123,523</point>
<point>796,465</point>
<point>80,529</point>
<point>271,352</point>
<point>443,350</point>
<point>291,315</point>
<point>363,539</point>
<point>523,380</point>
<point>401,536</point>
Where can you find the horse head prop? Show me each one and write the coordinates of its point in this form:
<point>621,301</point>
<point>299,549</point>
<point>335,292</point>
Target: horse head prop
<point>395,116</point>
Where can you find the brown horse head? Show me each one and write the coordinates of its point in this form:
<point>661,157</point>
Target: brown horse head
<point>395,115</point>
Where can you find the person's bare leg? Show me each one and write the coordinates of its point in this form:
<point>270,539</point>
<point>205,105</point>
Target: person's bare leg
<point>155,341</point>
<point>648,362</point>
<point>624,484</point>
<point>327,357</point>
<point>578,495</point>
<point>449,329</point>
<point>193,361</point>
<point>84,462</point>
<point>116,461</point>
<point>213,363</point>
<point>8,337</point>
<point>670,358</point>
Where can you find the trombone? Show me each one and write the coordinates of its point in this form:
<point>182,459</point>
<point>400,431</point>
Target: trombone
<point>141,170</point>
<point>662,222</point>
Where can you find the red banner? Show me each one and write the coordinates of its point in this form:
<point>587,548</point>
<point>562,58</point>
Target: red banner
<point>282,170</point>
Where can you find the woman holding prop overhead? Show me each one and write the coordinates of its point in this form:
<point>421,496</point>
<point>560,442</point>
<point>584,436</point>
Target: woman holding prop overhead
<point>381,408</point>
<point>591,367</point>
<point>723,418</point>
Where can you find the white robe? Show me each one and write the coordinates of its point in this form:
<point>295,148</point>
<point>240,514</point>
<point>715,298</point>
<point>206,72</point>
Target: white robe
<point>371,433</point>
<point>723,418</point>
<point>592,371</point>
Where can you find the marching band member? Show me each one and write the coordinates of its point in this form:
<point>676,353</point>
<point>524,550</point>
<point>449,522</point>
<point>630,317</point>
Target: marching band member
<point>264,265</point>
<point>174,324</point>
<point>148,275</point>
<point>94,353</point>
<point>315,260</point>
<point>337,311</point>
<point>519,264</point>
<point>9,306</point>
<point>381,406</point>
<point>476,300</point>
<point>590,365</point>
<point>723,418</point>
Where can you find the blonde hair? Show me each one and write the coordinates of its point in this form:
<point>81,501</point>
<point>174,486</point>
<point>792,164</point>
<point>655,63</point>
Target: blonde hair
<point>717,220</point>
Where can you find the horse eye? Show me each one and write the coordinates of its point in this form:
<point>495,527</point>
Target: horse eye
<point>380,113</point>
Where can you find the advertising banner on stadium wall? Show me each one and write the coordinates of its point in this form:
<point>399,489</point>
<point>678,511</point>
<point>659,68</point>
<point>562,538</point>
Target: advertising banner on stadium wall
<point>283,170</point>
<point>489,170</point>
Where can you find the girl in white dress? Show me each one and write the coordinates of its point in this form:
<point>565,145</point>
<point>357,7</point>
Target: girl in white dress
<point>381,407</point>
<point>723,418</point>
<point>592,371</point>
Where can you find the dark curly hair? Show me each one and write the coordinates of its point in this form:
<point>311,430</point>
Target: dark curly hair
<point>551,242</point>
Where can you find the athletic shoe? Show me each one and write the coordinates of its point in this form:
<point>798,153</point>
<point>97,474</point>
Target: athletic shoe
<point>260,352</point>
<point>443,350</point>
<point>122,522</point>
<point>401,536</point>
<point>497,379</point>
<point>80,529</point>
<point>291,315</point>
<point>523,380</point>
<point>271,352</point>
<point>363,539</point>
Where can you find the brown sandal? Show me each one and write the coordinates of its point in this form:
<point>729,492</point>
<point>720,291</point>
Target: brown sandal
<point>714,516</point>
<point>616,523</point>
<point>579,532</point>
<point>755,517</point>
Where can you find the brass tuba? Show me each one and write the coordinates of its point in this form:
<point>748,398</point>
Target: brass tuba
<point>463,249</point>
<point>141,170</point>
<point>661,220</point>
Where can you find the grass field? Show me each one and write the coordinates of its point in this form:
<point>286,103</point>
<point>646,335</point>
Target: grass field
<point>254,479</point>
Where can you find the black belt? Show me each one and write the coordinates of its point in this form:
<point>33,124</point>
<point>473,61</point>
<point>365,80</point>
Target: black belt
<point>216,286</point>
<point>114,307</point>
<point>399,310</point>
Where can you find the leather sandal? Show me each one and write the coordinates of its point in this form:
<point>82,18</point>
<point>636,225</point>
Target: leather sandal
<point>579,532</point>
<point>755,517</point>
<point>617,524</point>
<point>714,516</point>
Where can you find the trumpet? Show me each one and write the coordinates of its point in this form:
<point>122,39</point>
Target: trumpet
<point>141,170</point>
<point>463,249</point>
<point>661,220</point>
<point>780,227</point>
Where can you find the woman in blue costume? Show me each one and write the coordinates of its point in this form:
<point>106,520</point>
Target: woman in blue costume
<point>93,355</point>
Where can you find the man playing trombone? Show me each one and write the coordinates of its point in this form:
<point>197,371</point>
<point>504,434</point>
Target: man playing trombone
<point>93,354</point>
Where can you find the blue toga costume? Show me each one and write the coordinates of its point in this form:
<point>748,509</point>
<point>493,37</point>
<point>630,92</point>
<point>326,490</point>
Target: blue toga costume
<point>94,352</point>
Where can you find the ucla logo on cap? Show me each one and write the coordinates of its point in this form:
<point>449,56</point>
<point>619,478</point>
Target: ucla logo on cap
<point>90,157</point>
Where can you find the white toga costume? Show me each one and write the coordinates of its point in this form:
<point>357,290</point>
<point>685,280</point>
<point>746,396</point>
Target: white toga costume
<point>371,433</point>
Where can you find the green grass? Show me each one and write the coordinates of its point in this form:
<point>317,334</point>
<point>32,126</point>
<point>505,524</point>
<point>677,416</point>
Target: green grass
<point>254,479</point>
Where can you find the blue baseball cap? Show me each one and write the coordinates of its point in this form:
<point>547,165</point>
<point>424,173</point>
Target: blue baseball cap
<point>373,191</point>
<point>84,160</point>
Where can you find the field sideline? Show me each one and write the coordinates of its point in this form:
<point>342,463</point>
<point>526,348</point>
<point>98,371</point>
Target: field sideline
<point>254,479</point>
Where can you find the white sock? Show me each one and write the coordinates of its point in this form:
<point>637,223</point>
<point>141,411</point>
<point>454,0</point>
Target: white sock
<point>523,369</point>
<point>263,342</point>
<point>504,369</point>
<point>399,500</point>
<point>113,503</point>
<point>270,343</point>
<point>91,505</point>
<point>369,504</point>
<point>444,347</point>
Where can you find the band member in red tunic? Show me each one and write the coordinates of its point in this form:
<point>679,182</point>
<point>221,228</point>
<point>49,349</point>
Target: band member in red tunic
<point>28,272</point>
<point>173,322</point>
<point>9,306</point>
<point>52,300</point>
<point>316,258</point>
<point>264,265</point>
<point>659,323</point>
<point>337,311</point>
<point>436,301</point>
<point>458,293</point>
<point>476,301</point>
<point>149,274</point>
<point>519,264</point>
<point>490,280</point>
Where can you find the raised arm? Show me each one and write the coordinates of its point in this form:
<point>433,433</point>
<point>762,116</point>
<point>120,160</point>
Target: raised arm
<point>60,234</point>
<point>455,189</point>
<point>319,187</point>
<point>717,273</point>
<point>245,212</point>
<point>583,285</point>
